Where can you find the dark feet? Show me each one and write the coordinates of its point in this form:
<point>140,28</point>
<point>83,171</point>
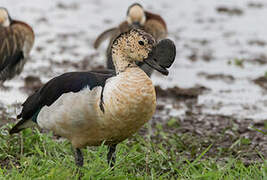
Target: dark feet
<point>111,155</point>
<point>78,157</point>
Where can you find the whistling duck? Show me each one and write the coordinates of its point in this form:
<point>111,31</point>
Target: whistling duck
<point>16,41</point>
<point>137,17</point>
<point>90,108</point>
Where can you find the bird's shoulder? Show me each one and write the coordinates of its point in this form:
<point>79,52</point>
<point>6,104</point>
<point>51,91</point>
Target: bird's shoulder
<point>65,83</point>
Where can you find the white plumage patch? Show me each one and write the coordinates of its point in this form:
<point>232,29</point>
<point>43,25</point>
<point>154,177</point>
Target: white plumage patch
<point>71,112</point>
<point>129,102</point>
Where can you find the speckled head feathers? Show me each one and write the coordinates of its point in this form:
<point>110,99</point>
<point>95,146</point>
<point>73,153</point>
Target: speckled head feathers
<point>134,45</point>
<point>136,15</point>
<point>5,19</point>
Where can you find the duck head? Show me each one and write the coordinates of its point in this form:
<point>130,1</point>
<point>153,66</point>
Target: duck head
<point>136,15</point>
<point>5,19</point>
<point>136,46</point>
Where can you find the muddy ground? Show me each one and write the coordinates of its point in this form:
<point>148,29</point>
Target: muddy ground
<point>216,92</point>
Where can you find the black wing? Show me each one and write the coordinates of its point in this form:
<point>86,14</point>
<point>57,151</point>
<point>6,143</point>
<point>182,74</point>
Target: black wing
<point>51,91</point>
<point>104,71</point>
<point>12,60</point>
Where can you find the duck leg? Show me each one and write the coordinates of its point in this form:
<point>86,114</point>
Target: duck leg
<point>78,157</point>
<point>111,155</point>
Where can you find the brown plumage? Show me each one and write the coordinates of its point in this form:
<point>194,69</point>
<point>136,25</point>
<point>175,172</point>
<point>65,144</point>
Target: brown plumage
<point>91,108</point>
<point>16,41</point>
<point>137,17</point>
<point>155,26</point>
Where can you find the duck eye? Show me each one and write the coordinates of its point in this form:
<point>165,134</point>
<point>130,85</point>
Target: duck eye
<point>141,43</point>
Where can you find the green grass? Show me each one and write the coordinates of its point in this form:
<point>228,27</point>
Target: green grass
<point>161,156</point>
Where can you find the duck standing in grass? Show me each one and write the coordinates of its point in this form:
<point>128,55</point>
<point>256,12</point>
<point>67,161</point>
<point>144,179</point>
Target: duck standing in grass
<point>137,17</point>
<point>16,41</point>
<point>90,108</point>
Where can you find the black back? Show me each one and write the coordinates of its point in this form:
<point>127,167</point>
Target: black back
<point>68,82</point>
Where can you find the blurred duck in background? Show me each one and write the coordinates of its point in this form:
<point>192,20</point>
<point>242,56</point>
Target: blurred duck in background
<point>137,17</point>
<point>16,42</point>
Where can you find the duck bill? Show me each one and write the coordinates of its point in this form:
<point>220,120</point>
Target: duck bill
<point>136,25</point>
<point>152,62</point>
<point>162,56</point>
